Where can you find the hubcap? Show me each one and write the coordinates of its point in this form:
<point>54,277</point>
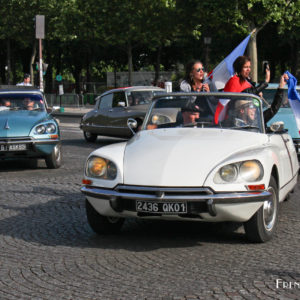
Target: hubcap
<point>270,210</point>
<point>57,152</point>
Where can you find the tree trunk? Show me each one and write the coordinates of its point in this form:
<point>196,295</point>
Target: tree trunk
<point>89,88</point>
<point>253,56</point>
<point>76,75</point>
<point>130,66</point>
<point>32,59</point>
<point>294,58</point>
<point>8,62</point>
<point>157,65</point>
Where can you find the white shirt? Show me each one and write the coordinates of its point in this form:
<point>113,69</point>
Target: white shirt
<point>23,83</point>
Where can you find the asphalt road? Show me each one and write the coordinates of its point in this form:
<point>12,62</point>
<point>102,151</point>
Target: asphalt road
<point>48,250</point>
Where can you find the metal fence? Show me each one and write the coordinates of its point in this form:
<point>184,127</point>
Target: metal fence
<point>70,100</point>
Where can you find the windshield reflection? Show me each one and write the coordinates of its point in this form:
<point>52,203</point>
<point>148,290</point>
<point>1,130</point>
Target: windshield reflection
<point>239,112</point>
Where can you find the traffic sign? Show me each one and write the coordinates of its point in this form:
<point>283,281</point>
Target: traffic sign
<point>58,77</point>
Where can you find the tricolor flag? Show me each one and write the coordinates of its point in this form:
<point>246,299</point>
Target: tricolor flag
<point>218,77</point>
<point>294,97</point>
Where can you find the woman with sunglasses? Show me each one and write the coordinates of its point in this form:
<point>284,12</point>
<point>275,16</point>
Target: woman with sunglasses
<point>194,78</point>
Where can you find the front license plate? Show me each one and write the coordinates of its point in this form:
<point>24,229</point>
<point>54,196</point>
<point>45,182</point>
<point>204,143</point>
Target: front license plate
<point>161,207</point>
<point>13,147</point>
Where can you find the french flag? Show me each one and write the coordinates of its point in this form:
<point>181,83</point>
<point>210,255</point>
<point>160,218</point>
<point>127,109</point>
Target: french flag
<point>218,77</point>
<point>294,97</point>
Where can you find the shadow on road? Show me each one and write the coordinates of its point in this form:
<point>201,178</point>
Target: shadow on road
<point>62,221</point>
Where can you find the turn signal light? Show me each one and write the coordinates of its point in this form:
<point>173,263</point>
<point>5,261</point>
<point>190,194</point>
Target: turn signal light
<point>256,187</point>
<point>54,136</point>
<point>87,181</point>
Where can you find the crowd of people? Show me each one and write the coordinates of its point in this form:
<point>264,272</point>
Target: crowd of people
<point>194,81</point>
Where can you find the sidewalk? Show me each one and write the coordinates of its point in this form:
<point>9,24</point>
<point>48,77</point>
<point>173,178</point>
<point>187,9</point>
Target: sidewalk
<point>73,111</point>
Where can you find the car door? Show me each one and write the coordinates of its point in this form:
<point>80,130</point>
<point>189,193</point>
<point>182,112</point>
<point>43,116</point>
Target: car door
<point>100,122</point>
<point>286,156</point>
<point>117,115</point>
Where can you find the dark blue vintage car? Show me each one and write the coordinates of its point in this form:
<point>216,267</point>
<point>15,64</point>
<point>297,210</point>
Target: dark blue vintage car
<point>27,128</point>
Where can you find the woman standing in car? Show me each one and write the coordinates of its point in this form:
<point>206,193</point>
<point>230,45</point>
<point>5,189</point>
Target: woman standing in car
<point>194,78</point>
<point>241,82</point>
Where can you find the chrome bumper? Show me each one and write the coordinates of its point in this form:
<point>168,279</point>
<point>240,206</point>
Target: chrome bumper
<point>188,195</point>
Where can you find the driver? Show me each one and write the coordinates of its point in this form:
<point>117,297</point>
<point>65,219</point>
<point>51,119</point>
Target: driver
<point>190,113</point>
<point>245,112</point>
<point>28,104</point>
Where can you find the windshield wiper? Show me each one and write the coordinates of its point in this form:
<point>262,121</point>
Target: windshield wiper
<point>246,127</point>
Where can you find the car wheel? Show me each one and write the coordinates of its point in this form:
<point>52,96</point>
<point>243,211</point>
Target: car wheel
<point>261,227</point>
<point>53,160</point>
<point>101,224</point>
<point>89,137</point>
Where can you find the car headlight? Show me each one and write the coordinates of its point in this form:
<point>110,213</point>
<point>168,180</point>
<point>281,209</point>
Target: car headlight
<point>245,171</point>
<point>41,129</point>
<point>50,128</point>
<point>45,128</point>
<point>251,170</point>
<point>101,168</point>
<point>229,173</point>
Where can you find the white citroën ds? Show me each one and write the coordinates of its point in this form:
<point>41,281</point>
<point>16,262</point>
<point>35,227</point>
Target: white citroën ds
<point>183,165</point>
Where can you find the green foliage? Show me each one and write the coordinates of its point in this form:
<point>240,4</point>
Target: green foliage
<point>89,37</point>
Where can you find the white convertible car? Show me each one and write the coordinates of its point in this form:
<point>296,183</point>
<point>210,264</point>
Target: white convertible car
<point>186,164</point>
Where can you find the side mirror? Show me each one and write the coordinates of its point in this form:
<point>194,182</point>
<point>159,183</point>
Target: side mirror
<point>122,104</point>
<point>277,126</point>
<point>132,124</point>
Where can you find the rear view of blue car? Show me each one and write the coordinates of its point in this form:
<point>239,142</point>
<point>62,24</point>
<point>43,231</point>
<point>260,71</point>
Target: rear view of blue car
<point>284,114</point>
<point>27,128</point>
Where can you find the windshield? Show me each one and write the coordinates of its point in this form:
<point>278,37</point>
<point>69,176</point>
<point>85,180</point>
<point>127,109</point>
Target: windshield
<point>240,112</point>
<point>21,102</point>
<point>141,97</point>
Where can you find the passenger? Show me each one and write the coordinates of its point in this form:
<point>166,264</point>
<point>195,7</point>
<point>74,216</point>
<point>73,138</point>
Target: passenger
<point>194,78</point>
<point>188,116</point>
<point>249,110</point>
<point>245,112</point>
<point>29,104</point>
<point>5,102</point>
<point>241,82</point>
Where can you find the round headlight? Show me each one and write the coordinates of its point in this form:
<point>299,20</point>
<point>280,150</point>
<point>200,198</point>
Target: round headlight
<point>229,173</point>
<point>51,128</point>
<point>41,129</point>
<point>96,166</point>
<point>251,170</point>
<point>111,170</point>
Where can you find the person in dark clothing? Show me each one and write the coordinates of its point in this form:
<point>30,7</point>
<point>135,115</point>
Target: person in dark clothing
<point>277,101</point>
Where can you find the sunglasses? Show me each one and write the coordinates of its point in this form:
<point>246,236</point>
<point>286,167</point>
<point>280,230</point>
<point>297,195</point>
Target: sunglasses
<point>199,69</point>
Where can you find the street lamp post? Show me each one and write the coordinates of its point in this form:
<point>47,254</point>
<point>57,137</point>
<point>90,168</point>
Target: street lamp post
<point>207,42</point>
<point>40,34</point>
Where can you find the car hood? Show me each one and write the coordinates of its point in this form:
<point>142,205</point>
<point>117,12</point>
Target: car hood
<point>182,156</point>
<point>19,123</point>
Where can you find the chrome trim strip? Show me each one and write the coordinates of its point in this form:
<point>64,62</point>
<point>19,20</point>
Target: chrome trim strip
<point>32,141</point>
<point>239,197</point>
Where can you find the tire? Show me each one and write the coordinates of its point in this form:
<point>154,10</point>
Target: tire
<point>261,227</point>
<point>101,224</point>
<point>54,160</point>
<point>90,137</point>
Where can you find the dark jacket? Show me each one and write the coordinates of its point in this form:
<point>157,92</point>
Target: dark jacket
<point>270,112</point>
